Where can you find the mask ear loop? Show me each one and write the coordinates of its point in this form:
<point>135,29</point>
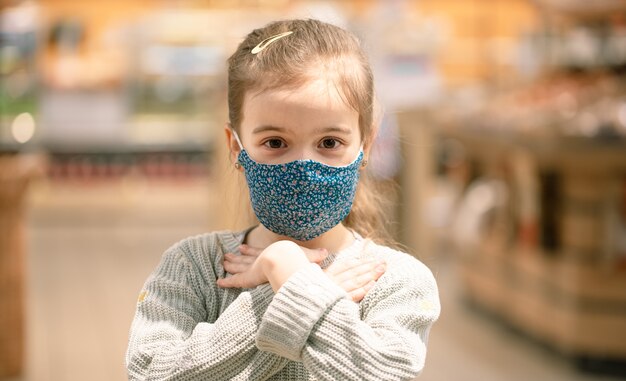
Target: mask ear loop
<point>237,163</point>
<point>237,138</point>
<point>364,162</point>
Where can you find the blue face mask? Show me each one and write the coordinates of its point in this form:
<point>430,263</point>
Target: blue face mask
<point>301,199</point>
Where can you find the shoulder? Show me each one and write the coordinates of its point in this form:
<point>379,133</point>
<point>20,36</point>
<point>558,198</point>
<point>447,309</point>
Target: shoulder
<point>203,251</point>
<point>407,287</point>
<point>208,243</point>
<point>403,269</point>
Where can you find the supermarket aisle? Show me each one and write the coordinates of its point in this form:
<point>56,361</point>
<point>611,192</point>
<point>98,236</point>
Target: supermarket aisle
<point>92,247</point>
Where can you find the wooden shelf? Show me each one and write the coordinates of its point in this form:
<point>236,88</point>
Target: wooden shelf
<point>570,296</point>
<point>581,8</point>
<point>578,309</point>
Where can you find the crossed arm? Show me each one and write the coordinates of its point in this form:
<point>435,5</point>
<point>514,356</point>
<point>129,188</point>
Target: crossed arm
<point>281,260</point>
<point>175,337</point>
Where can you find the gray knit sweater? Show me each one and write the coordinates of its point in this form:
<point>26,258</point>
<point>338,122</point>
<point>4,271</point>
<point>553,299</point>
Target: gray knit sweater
<point>187,328</point>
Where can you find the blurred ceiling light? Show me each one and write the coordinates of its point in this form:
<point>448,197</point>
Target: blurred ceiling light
<point>23,127</point>
<point>20,18</point>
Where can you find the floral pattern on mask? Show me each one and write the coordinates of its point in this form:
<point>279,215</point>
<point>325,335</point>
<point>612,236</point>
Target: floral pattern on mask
<point>301,199</point>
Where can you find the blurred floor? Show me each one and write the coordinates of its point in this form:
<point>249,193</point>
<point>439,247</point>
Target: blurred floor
<point>468,344</point>
<point>92,246</point>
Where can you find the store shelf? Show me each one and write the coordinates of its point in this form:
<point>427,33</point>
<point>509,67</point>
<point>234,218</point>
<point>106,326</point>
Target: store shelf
<point>574,308</point>
<point>582,7</point>
<point>563,285</point>
<point>597,154</point>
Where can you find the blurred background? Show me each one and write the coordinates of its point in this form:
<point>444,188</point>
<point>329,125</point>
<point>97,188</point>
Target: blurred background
<point>504,126</point>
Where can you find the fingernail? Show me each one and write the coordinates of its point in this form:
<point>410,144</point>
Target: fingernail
<point>381,267</point>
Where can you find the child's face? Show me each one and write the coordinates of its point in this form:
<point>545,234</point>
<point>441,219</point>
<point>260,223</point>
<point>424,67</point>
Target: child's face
<point>311,122</point>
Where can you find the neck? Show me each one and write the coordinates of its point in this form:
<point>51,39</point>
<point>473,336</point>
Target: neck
<point>335,239</point>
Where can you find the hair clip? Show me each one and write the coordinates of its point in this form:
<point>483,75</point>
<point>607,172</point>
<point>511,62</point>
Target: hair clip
<point>265,43</point>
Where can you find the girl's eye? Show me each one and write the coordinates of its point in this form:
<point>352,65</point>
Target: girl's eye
<point>274,143</point>
<point>330,143</point>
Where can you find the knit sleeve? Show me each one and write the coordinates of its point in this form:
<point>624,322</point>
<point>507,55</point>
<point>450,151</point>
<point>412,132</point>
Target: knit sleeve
<point>312,320</point>
<point>174,337</point>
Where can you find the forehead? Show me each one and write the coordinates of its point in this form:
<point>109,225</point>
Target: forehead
<point>318,101</point>
<point>319,92</point>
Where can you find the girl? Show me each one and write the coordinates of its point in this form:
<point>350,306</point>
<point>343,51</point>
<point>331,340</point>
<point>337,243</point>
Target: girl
<point>303,295</point>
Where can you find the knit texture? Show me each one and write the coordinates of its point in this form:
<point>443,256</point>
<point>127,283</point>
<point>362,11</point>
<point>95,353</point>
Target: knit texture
<point>187,328</point>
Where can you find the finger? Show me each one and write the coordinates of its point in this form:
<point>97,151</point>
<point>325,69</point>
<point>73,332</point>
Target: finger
<point>341,266</point>
<point>362,268</point>
<point>230,282</point>
<point>249,250</point>
<point>351,285</point>
<point>379,270</point>
<point>239,258</point>
<point>235,264</point>
<point>238,281</point>
<point>365,278</point>
<point>244,280</point>
<point>358,294</point>
<point>235,268</point>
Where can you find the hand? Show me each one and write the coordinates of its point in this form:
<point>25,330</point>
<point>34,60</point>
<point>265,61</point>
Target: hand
<point>248,270</point>
<point>356,276</point>
<point>236,264</point>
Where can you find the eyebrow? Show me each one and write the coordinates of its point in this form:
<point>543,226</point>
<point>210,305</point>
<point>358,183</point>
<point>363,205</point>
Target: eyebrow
<point>342,130</point>
<point>260,129</point>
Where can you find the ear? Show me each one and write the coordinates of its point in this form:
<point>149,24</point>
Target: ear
<point>368,142</point>
<point>368,139</point>
<point>232,144</point>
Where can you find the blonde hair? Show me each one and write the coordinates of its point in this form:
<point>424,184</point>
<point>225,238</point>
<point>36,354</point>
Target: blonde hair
<point>314,47</point>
